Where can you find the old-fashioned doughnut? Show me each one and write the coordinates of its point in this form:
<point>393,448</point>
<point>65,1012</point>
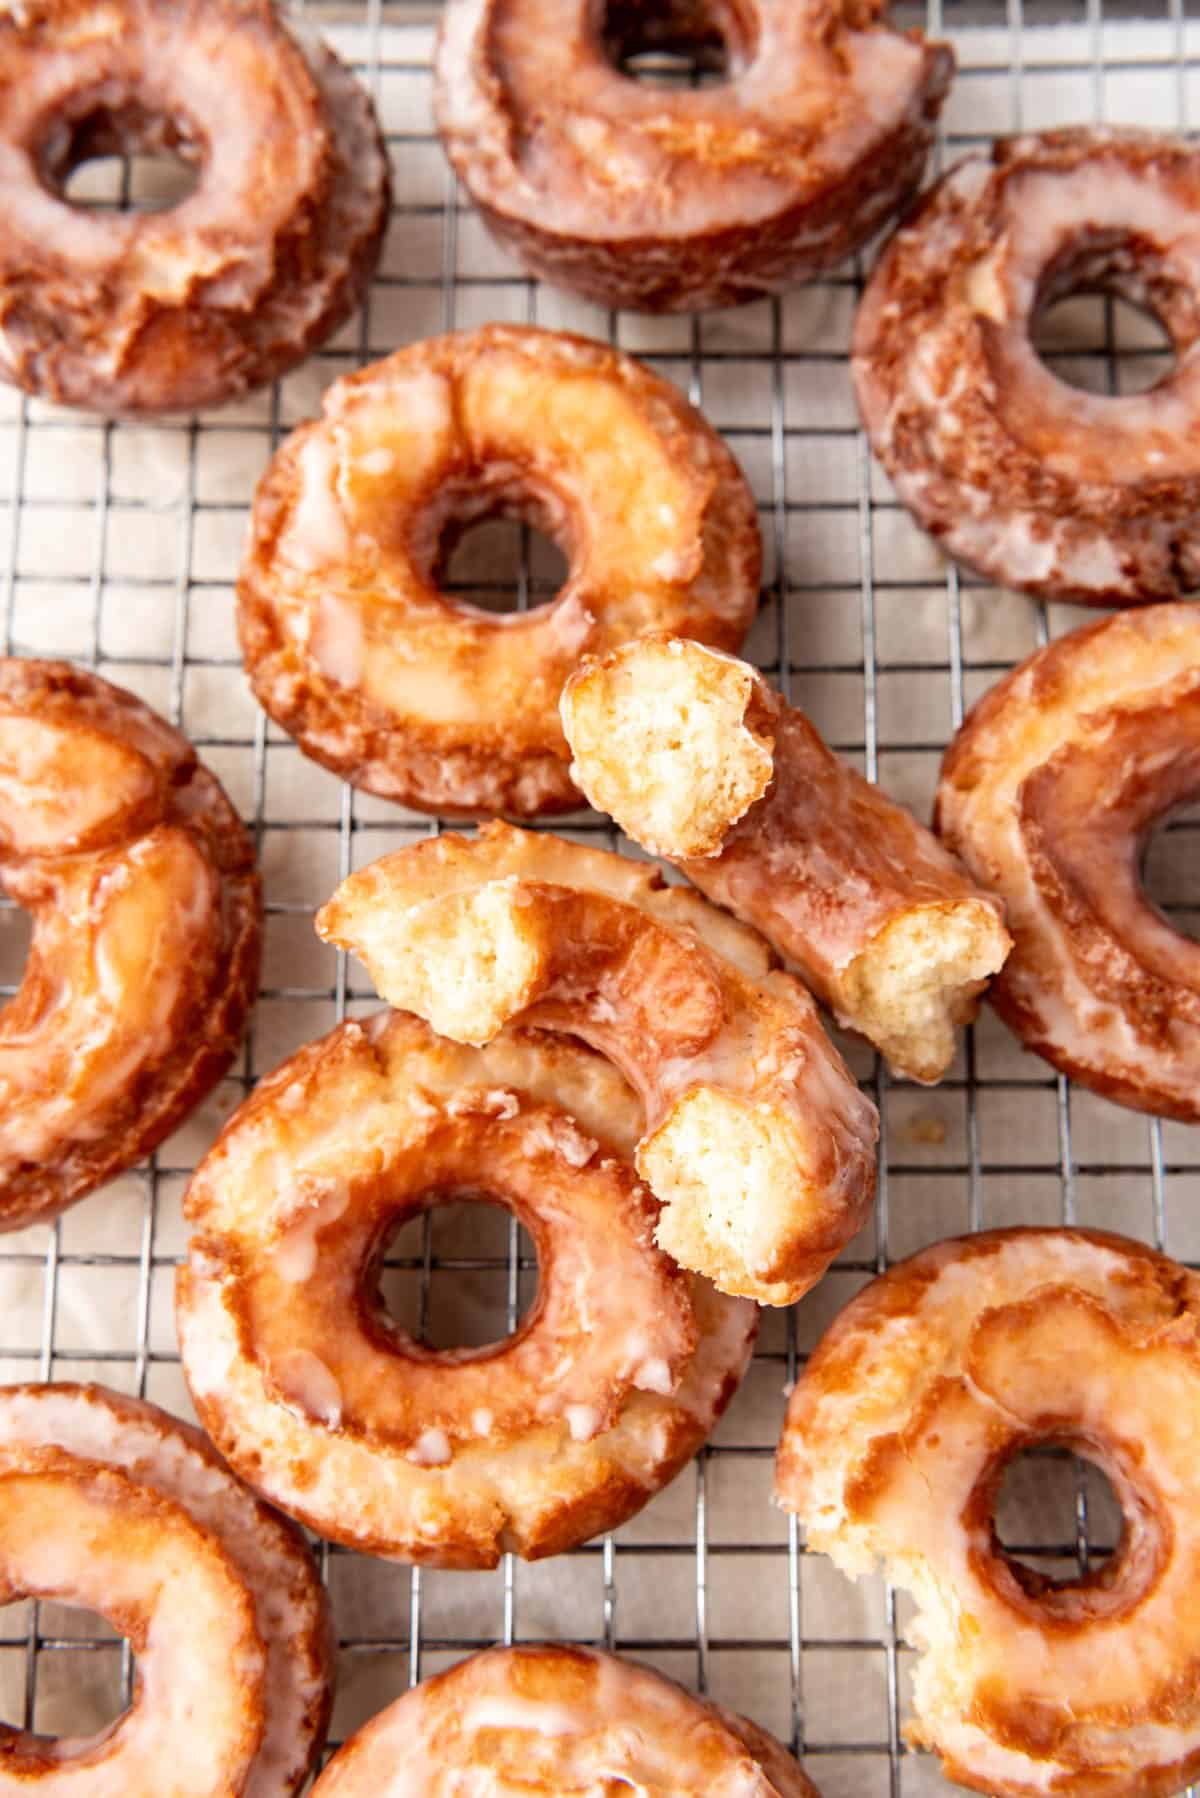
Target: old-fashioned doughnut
<point>757,1142</point>
<point>1064,494</point>
<point>447,1457</point>
<point>108,1503</point>
<point>178,309</point>
<point>144,960</point>
<point>352,645</point>
<point>557,1719</point>
<point>1049,793</point>
<point>898,1433</point>
<point>701,762</point>
<point>694,198</point>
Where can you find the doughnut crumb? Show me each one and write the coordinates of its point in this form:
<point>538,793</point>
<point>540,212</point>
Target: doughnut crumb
<point>466,962</point>
<point>672,740</point>
<point>920,978</point>
<point>732,1186</point>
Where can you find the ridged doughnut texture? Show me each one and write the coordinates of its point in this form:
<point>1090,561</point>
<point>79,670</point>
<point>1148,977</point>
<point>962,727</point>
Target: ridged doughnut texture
<point>108,1503</point>
<point>700,761</point>
<point>558,1720</point>
<point>1049,793</point>
<point>682,200</point>
<point>923,1390</point>
<point>1064,494</point>
<point>183,308</point>
<point>446,1457</point>
<point>146,910</point>
<point>349,640</point>
<point>757,1142</point>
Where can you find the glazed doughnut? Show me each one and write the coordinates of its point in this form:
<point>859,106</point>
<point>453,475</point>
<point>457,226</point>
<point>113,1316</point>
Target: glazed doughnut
<point>1063,494</point>
<point>692,199</point>
<point>563,1720</point>
<point>111,1504</point>
<point>1049,793</point>
<point>446,1457</point>
<point>349,640</point>
<point>175,310</point>
<point>757,1142</point>
<point>897,1437</point>
<point>700,762</point>
<point>144,960</point>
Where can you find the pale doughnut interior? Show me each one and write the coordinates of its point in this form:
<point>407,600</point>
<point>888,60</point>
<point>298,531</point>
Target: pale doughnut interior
<point>662,743</point>
<point>920,978</point>
<point>730,1180</point>
<point>466,962</point>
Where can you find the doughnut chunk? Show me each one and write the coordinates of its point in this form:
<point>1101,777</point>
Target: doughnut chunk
<point>184,308</point>
<point>558,1719</point>
<point>445,1457</point>
<point>700,762</point>
<point>146,906</point>
<point>682,200</point>
<point>1063,494</point>
<point>108,1503</point>
<point>757,1142</point>
<point>897,1437</point>
<point>1049,793</point>
<point>351,643</point>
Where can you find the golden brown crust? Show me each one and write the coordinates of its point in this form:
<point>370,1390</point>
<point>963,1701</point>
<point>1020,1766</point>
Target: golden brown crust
<point>349,641</point>
<point>182,309</point>
<point>552,1718</point>
<point>758,1143</point>
<point>879,919</point>
<point>445,1458</point>
<point>1064,494</point>
<point>698,199</point>
<point>919,1395</point>
<point>113,1504</point>
<point>1048,793</point>
<point>144,960</point>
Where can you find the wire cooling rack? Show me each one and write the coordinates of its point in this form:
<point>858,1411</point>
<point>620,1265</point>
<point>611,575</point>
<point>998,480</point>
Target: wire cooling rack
<point>118,548</point>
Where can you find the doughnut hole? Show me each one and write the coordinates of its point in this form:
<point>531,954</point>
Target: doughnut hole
<point>693,42</point>
<point>499,545</point>
<point>16,936</point>
<point>1054,1507</point>
<point>1072,1528</point>
<point>83,1682</point>
<point>1103,324</point>
<point>462,1275</point>
<point>128,158</point>
<point>1170,870</point>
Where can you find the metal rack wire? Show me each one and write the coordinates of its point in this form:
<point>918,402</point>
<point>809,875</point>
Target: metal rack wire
<point>118,547</point>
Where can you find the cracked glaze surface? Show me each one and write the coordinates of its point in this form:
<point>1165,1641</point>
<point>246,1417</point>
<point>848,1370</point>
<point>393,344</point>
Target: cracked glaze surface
<point>1042,487</point>
<point>445,1457</point>
<point>350,641</point>
<point>687,199</point>
<point>758,1143</point>
<point>111,1504</point>
<point>1049,793</point>
<point>558,1720</point>
<point>187,307</point>
<point>146,906</point>
<point>897,1436</point>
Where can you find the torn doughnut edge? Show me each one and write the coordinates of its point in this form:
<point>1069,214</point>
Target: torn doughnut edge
<point>730,1180</point>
